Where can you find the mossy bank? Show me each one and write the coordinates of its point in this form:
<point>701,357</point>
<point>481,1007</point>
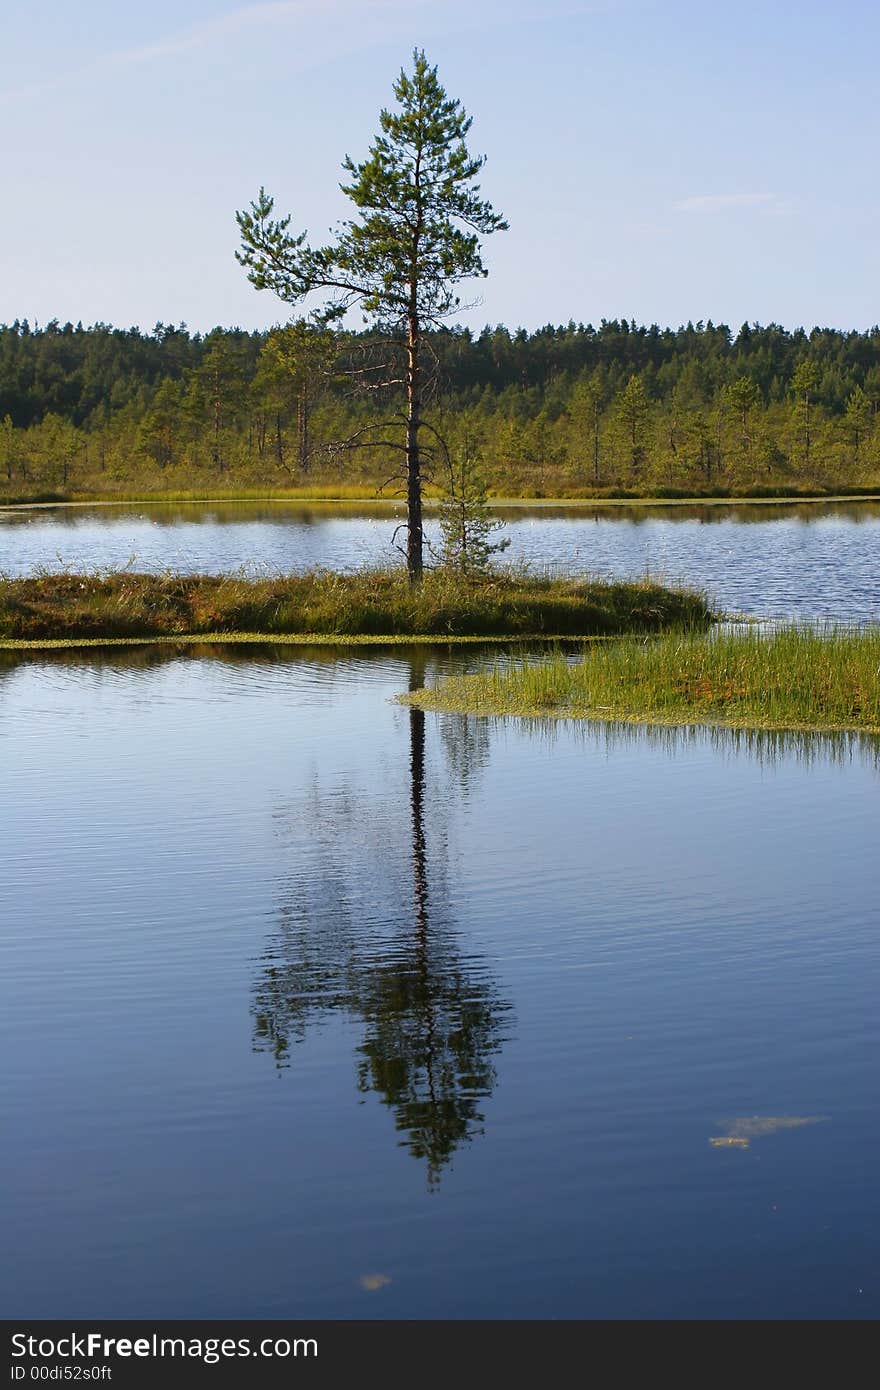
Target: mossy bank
<point>68,607</point>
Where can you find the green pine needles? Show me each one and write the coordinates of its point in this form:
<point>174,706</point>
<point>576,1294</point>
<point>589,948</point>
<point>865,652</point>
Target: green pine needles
<point>400,260</point>
<point>469,531</point>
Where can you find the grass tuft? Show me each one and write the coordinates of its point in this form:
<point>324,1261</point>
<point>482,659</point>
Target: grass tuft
<point>810,678</point>
<point>65,607</point>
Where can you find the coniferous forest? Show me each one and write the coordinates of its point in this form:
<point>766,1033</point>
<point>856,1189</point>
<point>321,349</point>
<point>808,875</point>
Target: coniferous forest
<point>560,412</point>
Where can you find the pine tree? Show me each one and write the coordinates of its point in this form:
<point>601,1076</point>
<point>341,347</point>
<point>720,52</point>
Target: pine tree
<point>805,384</point>
<point>466,524</point>
<point>585,410</point>
<point>7,446</point>
<point>416,237</point>
<point>858,418</point>
<point>158,427</point>
<point>223,386</point>
<point>633,408</point>
<point>301,354</point>
<point>743,397</point>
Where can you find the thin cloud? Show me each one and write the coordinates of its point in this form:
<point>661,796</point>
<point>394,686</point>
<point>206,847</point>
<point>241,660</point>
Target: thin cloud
<point>280,13</point>
<point>721,202</point>
<point>248,17</point>
<point>351,18</point>
<point>235,22</point>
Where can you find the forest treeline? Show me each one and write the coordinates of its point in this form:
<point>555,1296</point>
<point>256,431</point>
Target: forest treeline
<point>563,411</point>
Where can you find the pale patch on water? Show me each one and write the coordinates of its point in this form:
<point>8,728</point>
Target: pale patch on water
<point>740,1132</point>
<point>371,1282</point>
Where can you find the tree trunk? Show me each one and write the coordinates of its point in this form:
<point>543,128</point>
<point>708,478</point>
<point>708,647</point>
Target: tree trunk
<point>807,440</point>
<point>719,452</point>
<point>302,427</point>
<point>417,794</point>
<point>218,421</point>
<point>414,538</point>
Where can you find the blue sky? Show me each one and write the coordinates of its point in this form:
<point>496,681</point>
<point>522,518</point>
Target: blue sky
<point>662,161</point>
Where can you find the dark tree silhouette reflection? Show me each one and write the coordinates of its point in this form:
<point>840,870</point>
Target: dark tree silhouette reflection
<point>366,929</point>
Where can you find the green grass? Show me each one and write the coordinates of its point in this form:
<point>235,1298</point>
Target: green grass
<point>282,639</point>
<point>795,678</point>
<point>352,493</point>
<point>307,492</point>
<point>368,604</point>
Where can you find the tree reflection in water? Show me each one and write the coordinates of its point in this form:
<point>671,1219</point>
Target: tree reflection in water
<point>366,930</point>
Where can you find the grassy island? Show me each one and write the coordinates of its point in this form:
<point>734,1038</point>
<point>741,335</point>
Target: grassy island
<point>796,678</point>
<point>364,605</point>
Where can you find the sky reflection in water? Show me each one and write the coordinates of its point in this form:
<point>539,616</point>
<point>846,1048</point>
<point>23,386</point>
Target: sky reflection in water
<point>315,1006</point>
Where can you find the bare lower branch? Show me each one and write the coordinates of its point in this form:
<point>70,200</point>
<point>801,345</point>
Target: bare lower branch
<point>348,445</point>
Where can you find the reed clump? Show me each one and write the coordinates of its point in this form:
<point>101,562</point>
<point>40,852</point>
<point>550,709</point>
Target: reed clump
<point>793,677</point>
<point>365,603</point>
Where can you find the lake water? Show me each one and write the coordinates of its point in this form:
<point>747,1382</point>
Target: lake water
<point>811,560</point>
<point>311,1005</point>
<point>314,1006</point>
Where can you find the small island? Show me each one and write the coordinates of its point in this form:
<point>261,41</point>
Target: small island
<point>376,606</point>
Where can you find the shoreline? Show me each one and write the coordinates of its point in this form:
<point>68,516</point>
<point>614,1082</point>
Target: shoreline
<point>426,700</point>
<point>294,639</point>
<point>368,605</point>
<point>799,678</point>
<point>531,503</point>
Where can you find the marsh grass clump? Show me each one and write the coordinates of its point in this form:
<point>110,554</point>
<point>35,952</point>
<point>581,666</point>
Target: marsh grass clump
<point>824,678</point>
<point>377,603</point>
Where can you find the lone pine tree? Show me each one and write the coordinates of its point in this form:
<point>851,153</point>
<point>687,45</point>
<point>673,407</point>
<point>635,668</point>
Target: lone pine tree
<point>415,238</point>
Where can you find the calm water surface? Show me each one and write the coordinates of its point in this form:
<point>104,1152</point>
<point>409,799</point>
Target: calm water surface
<point>802,561</point>
<point>312,1006</point>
